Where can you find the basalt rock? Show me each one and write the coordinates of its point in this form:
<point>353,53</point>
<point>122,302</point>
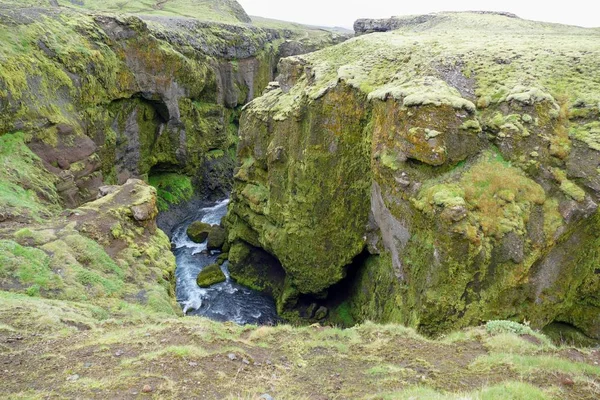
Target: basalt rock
<point>108,252</point>
<point>452,184</point>
<point>216,237</point>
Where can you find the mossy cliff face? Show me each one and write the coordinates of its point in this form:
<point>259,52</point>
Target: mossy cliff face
<point>465,166</point>
<point>102,98</point>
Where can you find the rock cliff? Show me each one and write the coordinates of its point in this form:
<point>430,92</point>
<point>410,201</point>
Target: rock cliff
<point>439,175</point>
<point>104,97</point>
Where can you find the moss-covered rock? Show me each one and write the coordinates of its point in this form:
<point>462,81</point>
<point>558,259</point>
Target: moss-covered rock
<point>216,237</point>
<point>210,275</point>
<point>198,231</point>
<point>467,171</point>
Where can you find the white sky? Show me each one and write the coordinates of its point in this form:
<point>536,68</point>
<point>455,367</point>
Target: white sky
<point>345,12</point>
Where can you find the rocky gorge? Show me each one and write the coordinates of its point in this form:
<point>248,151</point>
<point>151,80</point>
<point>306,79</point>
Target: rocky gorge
<point>449,182</point>
<point>416,210</point>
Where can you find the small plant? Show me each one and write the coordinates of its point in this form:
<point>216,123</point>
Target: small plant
<point>499,326</point>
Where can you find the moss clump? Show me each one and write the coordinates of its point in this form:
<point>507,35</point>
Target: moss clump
<point>588,133</point>
<point>210,275</point>
<point>228,11</point>
<point>120,260</point>
<point>216,237</point>
<point>498,196</point>
<point>424,91</point>
<point>172,189</point>
<point>29,267</point>
<point>497,327</point>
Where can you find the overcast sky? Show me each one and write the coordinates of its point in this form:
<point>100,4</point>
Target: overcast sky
<point>345,12</point>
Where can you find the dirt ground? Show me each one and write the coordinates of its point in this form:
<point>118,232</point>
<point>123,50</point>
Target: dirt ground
<point>53,349</point>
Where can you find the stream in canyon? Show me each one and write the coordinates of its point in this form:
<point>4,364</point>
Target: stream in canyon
<point>225,301</point>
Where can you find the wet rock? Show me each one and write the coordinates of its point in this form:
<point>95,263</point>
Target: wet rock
<point>198,231</point>
<point>321,312</point>
<point>216,237</point>
<point>310,310</point>
<point>210,275</point>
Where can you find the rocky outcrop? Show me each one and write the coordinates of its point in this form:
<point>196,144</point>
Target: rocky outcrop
<point>198,231</point>
<point>416,22</point>
<point>452,184</point>
<point>108,252</point>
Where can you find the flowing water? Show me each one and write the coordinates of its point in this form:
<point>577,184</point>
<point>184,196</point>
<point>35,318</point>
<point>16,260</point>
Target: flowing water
<point>225,301</point>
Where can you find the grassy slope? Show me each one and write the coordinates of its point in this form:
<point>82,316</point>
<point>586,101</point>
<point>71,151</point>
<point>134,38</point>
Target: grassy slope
<point>57,348</point>
<point>479,45</point>
<point>211,10</point>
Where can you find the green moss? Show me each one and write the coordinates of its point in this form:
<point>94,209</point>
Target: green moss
<point>568,187</point>
<point>210,275</point>
<point>498,195</point>
<point>27,190</point>
<point>390,160</point>
<point>225,11</point>
<point>198,231</point>
<point>171,189</point>
<point>496,327</point>
<point>588,133</point>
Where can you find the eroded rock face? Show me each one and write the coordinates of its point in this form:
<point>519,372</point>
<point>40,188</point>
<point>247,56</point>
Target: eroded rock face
<point>130,97</point>
<point>471,188</point>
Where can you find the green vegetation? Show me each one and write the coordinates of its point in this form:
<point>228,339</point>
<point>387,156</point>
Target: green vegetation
<point>172,189</point>
<point>115,262</point>
<point>499,196</point>
<point>124,352</point>
<point>208,10</point>
<point>27,190</point>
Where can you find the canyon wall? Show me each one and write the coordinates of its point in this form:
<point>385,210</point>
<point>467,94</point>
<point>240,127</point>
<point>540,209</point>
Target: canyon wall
<point>439,175</point>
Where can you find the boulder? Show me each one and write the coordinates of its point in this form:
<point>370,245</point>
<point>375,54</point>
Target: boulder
<point>216,237</point>
<point>210,275</point>
<point>198,231</point>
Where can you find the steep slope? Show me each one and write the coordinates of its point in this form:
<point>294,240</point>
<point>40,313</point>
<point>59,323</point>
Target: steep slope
<point>450,167</point>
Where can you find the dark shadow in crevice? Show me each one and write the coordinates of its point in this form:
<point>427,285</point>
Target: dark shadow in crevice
<point>335,298</point>
<point>564,333</point>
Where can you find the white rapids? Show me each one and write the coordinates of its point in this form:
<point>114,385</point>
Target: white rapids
<point>225,301</point>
